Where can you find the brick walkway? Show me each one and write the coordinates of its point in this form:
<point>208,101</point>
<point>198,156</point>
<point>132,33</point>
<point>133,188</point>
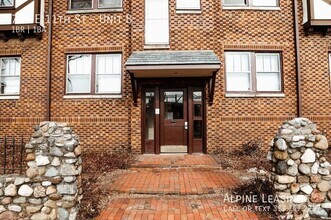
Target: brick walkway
<point>174,182</point>
<point>171,209</point>
<point>154,177</point>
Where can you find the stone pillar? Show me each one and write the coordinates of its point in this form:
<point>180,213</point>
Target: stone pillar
<point>301,174</point>
<point>51,188</point>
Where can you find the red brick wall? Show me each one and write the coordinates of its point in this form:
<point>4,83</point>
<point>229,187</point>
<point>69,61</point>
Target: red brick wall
<point>107,124</point>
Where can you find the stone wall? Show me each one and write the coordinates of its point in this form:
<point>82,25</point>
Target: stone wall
<point>51,188</point>
<point>301,174</point>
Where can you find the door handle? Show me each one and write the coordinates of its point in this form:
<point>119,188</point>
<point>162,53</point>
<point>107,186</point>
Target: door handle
<point>186,125</point>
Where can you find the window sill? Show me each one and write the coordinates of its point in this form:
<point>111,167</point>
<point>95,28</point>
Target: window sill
<point>157,46</point>
<point>188,11</point>
<point>88,11</point>
<point>258,95</point>
<point>251,8</point>
<point>92,96</point>
<point>11,97</point>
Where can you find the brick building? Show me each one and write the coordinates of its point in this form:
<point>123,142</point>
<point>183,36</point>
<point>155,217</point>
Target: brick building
<point>164,75</point>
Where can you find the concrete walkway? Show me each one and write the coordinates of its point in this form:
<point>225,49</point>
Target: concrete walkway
<point>174,187</point>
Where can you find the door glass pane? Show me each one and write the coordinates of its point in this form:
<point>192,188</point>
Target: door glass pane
<point>150,115</point>
<point>197,110</point>
<point>197,96</point>
<point>197,129</point>
<point>174,105</point>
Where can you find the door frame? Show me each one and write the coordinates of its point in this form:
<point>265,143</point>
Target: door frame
<point>156,87</point>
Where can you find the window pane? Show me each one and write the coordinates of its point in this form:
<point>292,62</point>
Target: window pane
<point>110,3</point>
<point>174,105</point>
<point>188,4</point>
<point>322,9</point>
<point>78,84</point>
<point>234,2</point>
<point>268,82</point>
<point>108,84</point>
<point>79,64</point>
<point>6,3</point>
<point>197,96</point>
<point>108,70</point>
<point>238,82</point>
<point>11,66</point>
<point>150,111</point>
<point>267,3</point>
<point>81,4</point>
<point>10,85</point>
<point>238,62</point>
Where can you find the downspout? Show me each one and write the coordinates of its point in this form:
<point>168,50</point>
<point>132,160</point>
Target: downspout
<point>49,61</point>
<point>297,55</point>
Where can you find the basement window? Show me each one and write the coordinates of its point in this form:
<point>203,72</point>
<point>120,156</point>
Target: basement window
<point>94,74</point>
<point>10,75</point>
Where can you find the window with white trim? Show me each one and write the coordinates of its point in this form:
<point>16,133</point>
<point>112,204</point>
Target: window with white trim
<point>251,3</point>
<point>188,4</point>
<point>94,4</point>
<point>253,72</point>
<point>94,74</point>
<point>10,75</point>
<point>157,22</point>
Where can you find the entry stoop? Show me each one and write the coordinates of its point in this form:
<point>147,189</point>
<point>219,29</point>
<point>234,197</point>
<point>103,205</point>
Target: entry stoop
<point>176,162</point>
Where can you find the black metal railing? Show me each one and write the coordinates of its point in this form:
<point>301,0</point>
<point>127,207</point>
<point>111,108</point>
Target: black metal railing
<point>12,155</point>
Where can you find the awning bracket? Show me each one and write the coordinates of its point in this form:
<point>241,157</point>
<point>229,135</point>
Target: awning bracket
<point>211,88</point>
<point>134,84</point>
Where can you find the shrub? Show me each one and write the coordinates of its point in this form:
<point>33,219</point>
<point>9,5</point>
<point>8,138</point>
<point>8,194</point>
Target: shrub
<point>105,161</point>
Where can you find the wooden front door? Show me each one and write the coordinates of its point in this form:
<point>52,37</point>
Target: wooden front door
<point>174,121</point>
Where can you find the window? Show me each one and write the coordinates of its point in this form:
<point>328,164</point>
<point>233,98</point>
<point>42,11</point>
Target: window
<point>94,4</point>
<point>188,4</point>
<point>6,3</point>
<point>253,72</point>
<point>157,22</point>
<point>94,74</point>
<point>251,3</point>
<point>10,75</point>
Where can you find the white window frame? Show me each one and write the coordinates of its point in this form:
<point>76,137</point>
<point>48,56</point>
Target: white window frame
<point>156,43</point>
<point>93,75</point>
<point>249,5</point>
<point>249,72</point>
<point>254,92</point>
<point>279,71</point>
<point>67,75</point>
<point>188,8</point>
<point>19,76</point>
<point>116,74</point>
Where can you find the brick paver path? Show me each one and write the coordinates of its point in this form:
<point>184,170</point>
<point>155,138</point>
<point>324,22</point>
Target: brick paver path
<point>174,182</point>
<point>184,209</point>
<point>156,177</point>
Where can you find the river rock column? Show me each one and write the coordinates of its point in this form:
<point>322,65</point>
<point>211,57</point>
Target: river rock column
<point>54,162</point>
<point>301,174</point>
